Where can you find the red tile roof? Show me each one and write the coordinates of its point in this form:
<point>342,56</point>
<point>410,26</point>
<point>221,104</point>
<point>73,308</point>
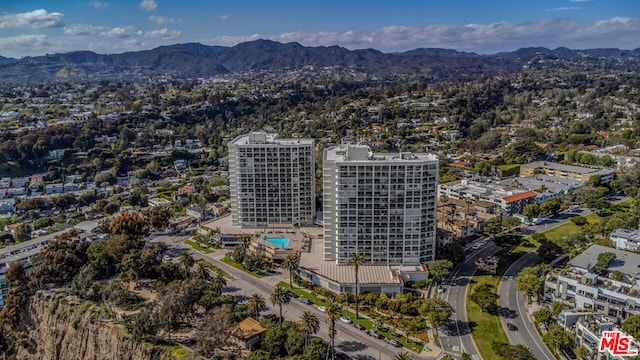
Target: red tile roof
<point>518,197</point>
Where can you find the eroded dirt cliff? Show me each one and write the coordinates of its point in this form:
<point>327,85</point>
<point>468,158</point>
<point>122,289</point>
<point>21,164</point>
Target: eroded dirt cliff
<point>64,328</point>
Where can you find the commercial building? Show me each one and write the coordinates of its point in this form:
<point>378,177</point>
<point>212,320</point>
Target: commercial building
<point>272,181</point>
<point>565,171</point>
<point>381,206</point>
<point>510,199</point>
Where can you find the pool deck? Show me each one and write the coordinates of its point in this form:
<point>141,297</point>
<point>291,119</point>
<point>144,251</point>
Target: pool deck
<point>300,239</point>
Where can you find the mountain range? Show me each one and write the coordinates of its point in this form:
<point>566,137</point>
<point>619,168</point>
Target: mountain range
<point>197,60</point>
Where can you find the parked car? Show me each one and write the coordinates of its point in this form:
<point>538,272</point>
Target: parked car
<point>293,295</point>
<point>374,333</point>
<point>322,308</point>
<point>441,289</point>
<point>358,326</point>
<point>512,327</point>
<point>305,301</point>
<point>393,342</point>
<point>345,320</point>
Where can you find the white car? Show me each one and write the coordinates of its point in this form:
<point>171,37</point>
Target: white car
<point>322,308</point>
<point>441,289</point>
<point>345,320</point>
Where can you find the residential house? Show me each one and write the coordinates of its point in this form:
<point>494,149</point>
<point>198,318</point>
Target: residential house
<point>19,182</point>
<point>248,333</point>
<point>196,213</point>
<point>6,206</point>
<point>182,192</point>
<point>626,238</point>
<point>57,188</point>
<point>582,288</point>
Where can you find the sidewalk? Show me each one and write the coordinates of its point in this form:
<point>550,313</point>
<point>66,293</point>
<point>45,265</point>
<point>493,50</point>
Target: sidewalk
<point>431,350</point>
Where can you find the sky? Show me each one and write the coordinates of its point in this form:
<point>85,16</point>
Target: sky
<point>31,28</point>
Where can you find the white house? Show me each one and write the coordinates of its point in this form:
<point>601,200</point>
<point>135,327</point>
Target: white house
<point>626,238</point>
<point>54,188</point>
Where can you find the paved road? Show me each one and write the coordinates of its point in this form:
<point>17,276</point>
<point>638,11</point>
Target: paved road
<point>349,340</point>
<point>514,310</point>
<point>456,339</point>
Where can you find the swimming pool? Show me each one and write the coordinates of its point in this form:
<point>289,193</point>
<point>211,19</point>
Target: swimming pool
<point>278,241</point>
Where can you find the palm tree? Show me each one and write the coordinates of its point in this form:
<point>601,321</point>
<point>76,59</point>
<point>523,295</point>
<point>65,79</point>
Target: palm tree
<point>444,199</point>
<point>202,272</point>
<point>291,263</point>
<point>218,282</point>
<point>256,303</point>
<point>280,296</point>
<point>402,355</point>
<point>468,201</point>
<point>308,325</point>
<point>357,260</point>
<point>160,249</point>
<point>187,261</point>
<point>333,313</point>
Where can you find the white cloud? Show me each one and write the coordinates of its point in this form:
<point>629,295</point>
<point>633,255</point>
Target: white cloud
<point>36,19</point>
<point>132,43</point>
<point>224,17</point>
<point>23,42</point>
<point>118,32</point>
<point>99,4</point>
<point>485,38</point>
<point>148,5</point>
<point>82,29</point>
<point>565,8</point>
<point>165,34</point>
<point>161,20</point>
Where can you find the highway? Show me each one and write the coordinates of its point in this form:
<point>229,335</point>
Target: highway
<point>456,339</point>
<point>514,309</point>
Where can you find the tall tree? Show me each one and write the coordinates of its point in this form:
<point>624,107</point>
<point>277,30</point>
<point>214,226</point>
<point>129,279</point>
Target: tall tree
<point>291,263</point>
<point>280,296</point>
<point>356,260</point>
<point>440,268</point>
<point>309,325</point>
<point>187,261</point>
<point>256,303</point>
<point>437,311</point>
<point>333,313</point>
<point>218,282</point>
<point>632,326</point>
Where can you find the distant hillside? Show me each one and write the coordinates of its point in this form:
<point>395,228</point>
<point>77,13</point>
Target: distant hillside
<point>197,60</point>
<point>5,60</point>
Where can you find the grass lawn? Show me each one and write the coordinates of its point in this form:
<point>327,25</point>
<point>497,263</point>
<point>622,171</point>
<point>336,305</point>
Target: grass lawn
<point>554,234</point>
<point>198,247</point>
<point>486,327</point>
<point>228,261</point>
<point>321,301</point>
<point>563,230</point>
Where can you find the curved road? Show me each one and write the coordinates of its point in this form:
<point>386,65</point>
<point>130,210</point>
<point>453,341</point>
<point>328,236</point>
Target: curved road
<point>456,339</point>
<point>514,309</point>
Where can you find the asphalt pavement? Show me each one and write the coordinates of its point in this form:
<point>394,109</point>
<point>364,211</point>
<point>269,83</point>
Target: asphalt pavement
<point>456,338</point>
<point>513,308</point>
